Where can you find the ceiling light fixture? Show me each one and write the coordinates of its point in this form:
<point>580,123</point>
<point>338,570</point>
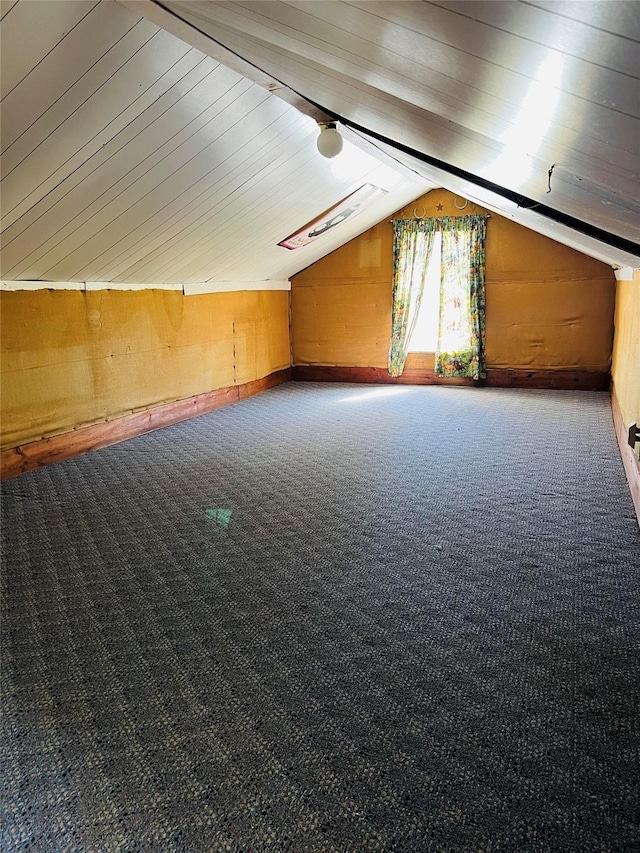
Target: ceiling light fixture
<point>329,142</point>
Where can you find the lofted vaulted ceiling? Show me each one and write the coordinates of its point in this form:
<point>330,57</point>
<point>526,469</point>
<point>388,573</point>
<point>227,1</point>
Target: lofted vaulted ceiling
<point>175,142</point>
<point>131,157</point>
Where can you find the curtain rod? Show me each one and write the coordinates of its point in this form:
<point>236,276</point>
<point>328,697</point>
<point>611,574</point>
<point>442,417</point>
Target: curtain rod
<point>453,216</point>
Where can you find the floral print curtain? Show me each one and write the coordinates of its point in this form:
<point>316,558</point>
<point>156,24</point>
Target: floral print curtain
<point>460,349</point>
<point>412,244</point>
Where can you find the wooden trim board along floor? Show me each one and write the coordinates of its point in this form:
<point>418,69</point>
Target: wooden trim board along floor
<point>629,459</point>
<point>57,448</point>
<point>564,380</point>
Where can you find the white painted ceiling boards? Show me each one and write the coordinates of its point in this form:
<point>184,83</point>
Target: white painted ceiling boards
<point>174,142</point>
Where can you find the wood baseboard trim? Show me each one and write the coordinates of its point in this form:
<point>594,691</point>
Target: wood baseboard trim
<point>47,451</point>
<point>376,375</point>
<point>582,380</point>
<point>629,460</point>
<point>559,380</point>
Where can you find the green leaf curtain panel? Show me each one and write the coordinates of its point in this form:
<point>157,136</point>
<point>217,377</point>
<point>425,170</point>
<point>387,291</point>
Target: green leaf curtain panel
<point>412,244</point>
<point>460,350</point>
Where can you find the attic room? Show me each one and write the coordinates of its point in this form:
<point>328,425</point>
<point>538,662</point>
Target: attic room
<point>286,566</point>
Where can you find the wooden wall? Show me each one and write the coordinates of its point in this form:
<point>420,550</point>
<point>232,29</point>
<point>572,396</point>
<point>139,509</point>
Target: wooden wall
<point>625,375</point>
<point>625,369</point>
<point>75,358</point>
<point>549,308</point>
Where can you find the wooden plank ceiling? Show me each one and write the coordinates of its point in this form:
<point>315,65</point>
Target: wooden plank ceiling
<point>502,90</point>
<point>130,157</point>
<point>130,154</point>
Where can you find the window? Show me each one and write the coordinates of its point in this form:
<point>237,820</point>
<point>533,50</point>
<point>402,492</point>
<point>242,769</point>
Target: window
<point>425,332</point>
<point>459,316</point>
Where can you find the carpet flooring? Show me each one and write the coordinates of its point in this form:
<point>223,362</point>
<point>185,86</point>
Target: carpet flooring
<point>328,619</point>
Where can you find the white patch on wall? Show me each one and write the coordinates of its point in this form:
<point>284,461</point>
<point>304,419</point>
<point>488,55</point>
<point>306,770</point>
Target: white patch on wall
<point>191,289</point>
<point>195,288</point>
<point>42,285</point>
<point>624,274</point>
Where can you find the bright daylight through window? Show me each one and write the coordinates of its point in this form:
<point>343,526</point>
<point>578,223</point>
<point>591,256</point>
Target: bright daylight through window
<point>425,332</point>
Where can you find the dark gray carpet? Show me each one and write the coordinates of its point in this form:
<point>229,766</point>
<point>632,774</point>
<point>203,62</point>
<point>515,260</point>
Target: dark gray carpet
<point>329,619</point>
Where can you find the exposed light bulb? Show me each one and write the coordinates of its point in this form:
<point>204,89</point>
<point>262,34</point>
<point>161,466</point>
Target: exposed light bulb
<point>329,142</point>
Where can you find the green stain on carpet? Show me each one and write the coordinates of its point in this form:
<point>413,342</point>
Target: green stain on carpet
<point>220,516</point>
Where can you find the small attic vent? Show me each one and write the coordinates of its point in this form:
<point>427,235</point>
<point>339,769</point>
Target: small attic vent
<point>351,205</point>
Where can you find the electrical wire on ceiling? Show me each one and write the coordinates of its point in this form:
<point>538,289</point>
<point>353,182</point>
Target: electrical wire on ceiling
<point>521,201</point>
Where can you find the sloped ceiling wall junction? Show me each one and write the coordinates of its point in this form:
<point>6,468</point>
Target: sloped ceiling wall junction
<point>174,142</point>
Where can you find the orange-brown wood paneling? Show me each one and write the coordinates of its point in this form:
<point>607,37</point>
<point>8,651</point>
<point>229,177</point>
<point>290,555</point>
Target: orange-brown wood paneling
<point>549,308</point>
<point>47,451</point>
<point>625,375</point>
<point>74,358</point>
